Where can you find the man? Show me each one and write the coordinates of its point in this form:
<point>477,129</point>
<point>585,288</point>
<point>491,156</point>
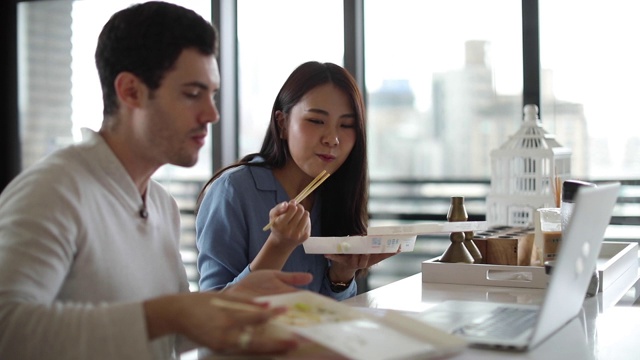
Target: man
<point>89,255</point>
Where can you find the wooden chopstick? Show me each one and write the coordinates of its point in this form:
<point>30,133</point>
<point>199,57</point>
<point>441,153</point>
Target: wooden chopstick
<point>312,186</point>
<point>305,192</point>
<point>234,305</point>
<point>556,187</point>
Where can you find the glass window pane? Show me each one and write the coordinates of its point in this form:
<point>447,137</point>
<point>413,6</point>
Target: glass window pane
<point>274,37</point>
<point>44,77</point>
<point>444,85</point>
<point>59,90</point>
<point>589,80</point>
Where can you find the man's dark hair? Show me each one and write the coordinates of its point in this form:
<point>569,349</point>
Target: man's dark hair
<point>146,40</point>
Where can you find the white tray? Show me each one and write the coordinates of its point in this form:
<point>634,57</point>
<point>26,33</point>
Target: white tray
<point>434,271</point>
<point>614,260</point>
<point>357,334</point>
<point>370,244</point>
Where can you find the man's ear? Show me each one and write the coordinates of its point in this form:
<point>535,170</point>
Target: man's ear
<point>282,124</point>
<point>130,90</point>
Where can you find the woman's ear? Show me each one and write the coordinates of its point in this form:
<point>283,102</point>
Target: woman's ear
<point>281,122</point>
<point>130,90</point>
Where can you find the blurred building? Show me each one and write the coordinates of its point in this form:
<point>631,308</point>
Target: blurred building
<point>467,120</point>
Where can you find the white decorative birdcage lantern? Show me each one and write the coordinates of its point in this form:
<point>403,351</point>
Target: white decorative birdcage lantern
<point>525,173</point>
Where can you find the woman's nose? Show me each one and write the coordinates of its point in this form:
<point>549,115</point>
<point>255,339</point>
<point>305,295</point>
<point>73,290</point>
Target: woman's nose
<point>331,138</point>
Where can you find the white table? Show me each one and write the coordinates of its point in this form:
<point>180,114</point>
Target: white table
<point>608,327</point>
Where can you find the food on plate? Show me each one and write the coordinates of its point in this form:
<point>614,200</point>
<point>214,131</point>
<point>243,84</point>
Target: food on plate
<point>306,314</point>
<point>343,247</point>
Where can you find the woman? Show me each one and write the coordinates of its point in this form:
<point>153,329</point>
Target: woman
<point>317,123</point>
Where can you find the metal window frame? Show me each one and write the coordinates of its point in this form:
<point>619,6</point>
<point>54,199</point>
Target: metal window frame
<point>225,147</point>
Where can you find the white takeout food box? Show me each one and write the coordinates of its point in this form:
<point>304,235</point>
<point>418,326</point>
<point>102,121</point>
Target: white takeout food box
<point>355,333</point>
<point>385,239</point>
<point>428,228</point>
<point>370,244</point>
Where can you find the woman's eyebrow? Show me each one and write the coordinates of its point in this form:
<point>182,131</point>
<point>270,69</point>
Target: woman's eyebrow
<point>319,111</point>
<point>324,112</point>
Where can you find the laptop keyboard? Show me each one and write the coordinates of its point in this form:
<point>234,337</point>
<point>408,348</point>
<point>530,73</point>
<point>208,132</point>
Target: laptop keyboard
<point>503,322</point>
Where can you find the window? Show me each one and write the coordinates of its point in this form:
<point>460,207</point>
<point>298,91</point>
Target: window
<point>444,85</point>
<point>59,81</point>
<point>274,37</point>
<point>589,80</point>
<point>443,81</point>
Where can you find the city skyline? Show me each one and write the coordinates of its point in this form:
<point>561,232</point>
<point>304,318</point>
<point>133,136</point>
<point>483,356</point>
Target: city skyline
<point>614,154</point>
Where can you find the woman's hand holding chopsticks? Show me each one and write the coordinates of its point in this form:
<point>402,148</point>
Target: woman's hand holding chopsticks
<point>291,226</point>
<point>304,193</point>
<point>291,222</point>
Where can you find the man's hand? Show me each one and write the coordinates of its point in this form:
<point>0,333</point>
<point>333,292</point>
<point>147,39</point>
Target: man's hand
<point>226,321</point>
<point>268,282</point>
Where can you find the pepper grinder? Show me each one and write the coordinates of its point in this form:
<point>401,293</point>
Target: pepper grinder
<point>460,214</point>
<point>472,247</point>
<point>457,251</point>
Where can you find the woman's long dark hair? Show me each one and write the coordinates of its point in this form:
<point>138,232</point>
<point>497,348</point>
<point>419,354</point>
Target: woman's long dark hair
<point>345,193</point>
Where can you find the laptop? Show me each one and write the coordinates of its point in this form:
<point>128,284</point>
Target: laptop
<point>524,326</point>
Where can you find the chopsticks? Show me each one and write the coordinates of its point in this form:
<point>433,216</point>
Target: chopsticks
<point>556,187</point>
<point>312,186</point>
<point>234,305</point>
<point>305,192</point>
